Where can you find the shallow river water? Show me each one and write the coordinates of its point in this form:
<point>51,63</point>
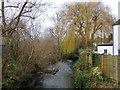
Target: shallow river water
<point>62,79</point>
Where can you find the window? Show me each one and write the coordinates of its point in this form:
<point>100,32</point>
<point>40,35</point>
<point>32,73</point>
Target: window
<point>119,52</point>
<point>105,51</point>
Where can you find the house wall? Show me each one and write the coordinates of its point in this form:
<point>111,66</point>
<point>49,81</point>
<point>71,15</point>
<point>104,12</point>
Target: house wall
<point>119,37</point>
<point>119,10</point>
<point>115,39</point>
<point>101,49</point>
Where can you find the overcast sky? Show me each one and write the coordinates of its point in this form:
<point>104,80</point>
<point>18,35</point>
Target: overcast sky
<point>112,4</point>
<point>57,4</point>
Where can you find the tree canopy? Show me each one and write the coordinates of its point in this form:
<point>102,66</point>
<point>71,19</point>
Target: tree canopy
<point>89,21</point>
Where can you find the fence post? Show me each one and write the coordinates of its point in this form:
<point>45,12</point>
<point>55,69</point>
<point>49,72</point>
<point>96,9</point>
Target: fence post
<point>118,69</point>
<point>102,63</point>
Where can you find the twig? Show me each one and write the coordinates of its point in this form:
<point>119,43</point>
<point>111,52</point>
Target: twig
<point>11,6</point>
<point>30,56</point>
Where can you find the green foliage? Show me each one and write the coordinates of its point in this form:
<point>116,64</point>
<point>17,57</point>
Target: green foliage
<point>81,65</point>
<point>87,75</point>
<point>71,56</point>
<point>9,81</point>
<point>107,79</point>
<point>82,62</point>
<point>96,73</point>
<point>81,70</point>
<point>86,78</point>
<point>13,75</point>
<point>95,59</point>
<point>68,45</point>
<point>118,85</point>
<point>82,79</point>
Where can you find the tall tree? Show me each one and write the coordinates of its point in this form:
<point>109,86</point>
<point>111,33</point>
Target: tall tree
<point>58,30</point>
<point>17,21</point>
<point>87,19</point>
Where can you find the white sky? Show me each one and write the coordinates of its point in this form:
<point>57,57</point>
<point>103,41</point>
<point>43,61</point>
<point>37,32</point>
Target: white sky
<point>57,4</point>
<point>112,4</point>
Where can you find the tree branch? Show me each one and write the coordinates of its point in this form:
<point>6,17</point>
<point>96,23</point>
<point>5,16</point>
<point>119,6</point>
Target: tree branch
<point>28,16</point>
<point>11,6</point>
<point>18,19</point>
<point>3,15</point>
<point>26,11</point>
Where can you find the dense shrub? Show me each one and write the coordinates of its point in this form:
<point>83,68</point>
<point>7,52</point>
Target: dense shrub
<point>96,59</point>
<point>85,74</point>
<point>22,54</point>
<point>82,79</point>
<point>71,56</point>
<point>89,76</point>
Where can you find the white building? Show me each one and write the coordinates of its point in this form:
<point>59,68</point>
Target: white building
<point>112,48</point>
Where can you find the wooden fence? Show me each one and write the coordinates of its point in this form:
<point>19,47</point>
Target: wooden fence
<point>110,66</point>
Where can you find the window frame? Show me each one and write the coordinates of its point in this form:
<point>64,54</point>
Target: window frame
<point>105,51</point>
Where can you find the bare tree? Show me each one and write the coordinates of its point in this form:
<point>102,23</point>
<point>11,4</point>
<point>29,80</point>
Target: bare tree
<point>13,13</point>
<point>17,22</point>
<point>58,30</point>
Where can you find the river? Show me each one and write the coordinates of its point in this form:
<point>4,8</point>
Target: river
<point>62,79</point>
